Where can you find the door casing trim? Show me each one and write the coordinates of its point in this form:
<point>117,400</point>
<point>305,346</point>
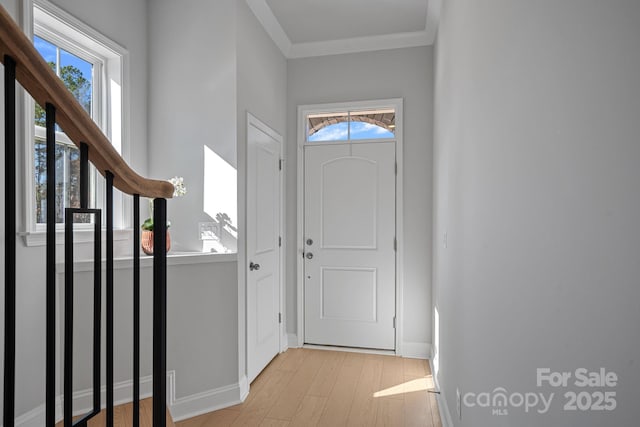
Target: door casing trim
<point>397,104</point>
<point>259,124</point>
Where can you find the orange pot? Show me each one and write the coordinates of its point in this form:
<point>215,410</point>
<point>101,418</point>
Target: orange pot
<point>146,241</point>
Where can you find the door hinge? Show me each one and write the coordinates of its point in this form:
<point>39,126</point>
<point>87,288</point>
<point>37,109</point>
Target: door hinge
<point>395,244</point>
<point>280,164</point>
<point>394,322</point>
<point>396,168</point>
<point>279,241</point>
<point>279,317</point>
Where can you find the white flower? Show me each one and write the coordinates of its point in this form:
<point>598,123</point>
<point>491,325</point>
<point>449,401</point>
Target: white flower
<point>179,188</point>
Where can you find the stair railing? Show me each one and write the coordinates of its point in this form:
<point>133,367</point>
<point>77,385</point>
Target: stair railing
<point>23,64</point>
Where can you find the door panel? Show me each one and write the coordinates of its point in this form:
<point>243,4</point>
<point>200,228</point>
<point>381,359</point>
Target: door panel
<point>348,294</point>
<point>266,184</point>
<point>349,251</point>
<point>263,231</point>
<point>349,206</point>
<point>266,328</point>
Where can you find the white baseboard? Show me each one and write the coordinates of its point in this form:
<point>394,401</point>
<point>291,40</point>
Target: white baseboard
<point>36,416</point>
<point>445,415</point>
<point>416,350</point>
<point>180,408</point>
<point>122,393</point>
<point>292,339</point>
<point>443,408</point>
<point>208,401</point>
<point>33,418</point>
<point>244,387</point>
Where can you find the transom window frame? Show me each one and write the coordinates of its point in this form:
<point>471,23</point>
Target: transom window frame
<point>110,110</point>
<point>348,108</point>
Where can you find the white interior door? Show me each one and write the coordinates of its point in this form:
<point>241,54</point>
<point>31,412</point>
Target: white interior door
<point>263,252</point>
<point>349,247</point>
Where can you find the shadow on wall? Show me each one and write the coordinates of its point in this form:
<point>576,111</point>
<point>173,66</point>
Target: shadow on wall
<point>220,204</point>
<point>220,235</point>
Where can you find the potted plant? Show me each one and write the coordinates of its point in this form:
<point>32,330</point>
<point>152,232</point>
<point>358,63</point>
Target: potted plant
<point>146,240</point>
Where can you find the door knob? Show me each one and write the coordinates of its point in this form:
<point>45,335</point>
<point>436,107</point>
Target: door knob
<point>253,266</point>
<point>309,255</point>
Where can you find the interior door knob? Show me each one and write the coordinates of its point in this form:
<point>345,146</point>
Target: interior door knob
<point>309,255</point>
<point>253,266</point>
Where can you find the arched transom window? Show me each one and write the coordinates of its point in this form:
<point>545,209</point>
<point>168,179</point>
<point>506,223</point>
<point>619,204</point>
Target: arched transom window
<point>351,125</point>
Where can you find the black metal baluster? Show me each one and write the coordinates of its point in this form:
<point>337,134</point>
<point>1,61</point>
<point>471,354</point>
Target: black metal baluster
<point>84,176</point>
<point>69,301</point>
<point>50,383</point>
<point>9,242</point>
<point>136,310</point>
<point>109,177</point>
<point>97,309</point>
<point>97,274</point>
<point>68,287</point>
<point>68,319</point>
<point>159,311</point>
<point>69,314</point>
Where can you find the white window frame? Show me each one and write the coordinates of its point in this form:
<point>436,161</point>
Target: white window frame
<point>110,109</point>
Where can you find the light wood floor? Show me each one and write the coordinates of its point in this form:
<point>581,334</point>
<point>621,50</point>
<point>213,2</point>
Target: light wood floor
<point>304,387</point>
<point>123,415</point>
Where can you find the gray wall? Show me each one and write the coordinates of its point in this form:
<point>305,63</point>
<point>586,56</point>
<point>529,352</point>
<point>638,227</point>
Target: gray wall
<point>536,184</point>
<point>192,101</point>
<point>123,21</point>
<point>400,73</point>
<point>261,91</point>
<point>202,330</point>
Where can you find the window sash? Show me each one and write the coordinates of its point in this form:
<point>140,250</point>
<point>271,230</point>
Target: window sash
<point>63,178</point>
<point>67,176</point>
<point>110,65</point>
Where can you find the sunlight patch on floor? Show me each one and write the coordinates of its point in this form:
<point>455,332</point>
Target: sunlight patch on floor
<point>419,384</point>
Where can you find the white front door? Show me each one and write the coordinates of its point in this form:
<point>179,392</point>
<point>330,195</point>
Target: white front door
<point>349,234</point>
<point>263,252</point>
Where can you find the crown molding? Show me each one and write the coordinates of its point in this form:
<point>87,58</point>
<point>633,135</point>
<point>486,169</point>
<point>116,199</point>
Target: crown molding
<point>434,8</point>
<point>359,44</point>
<point>263,12</point>
<point>427,37</point>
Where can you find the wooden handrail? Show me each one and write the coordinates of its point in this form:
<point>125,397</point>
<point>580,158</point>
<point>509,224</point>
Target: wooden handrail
<point>37,78</point>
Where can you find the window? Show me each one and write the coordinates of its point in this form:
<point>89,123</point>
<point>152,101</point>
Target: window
<point>77,75</point>
<point>92,68</point>
<point>351,125</point>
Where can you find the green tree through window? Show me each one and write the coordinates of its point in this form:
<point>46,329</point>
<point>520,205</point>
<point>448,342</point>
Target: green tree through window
<point>75,81</point>
<point>77,75</point>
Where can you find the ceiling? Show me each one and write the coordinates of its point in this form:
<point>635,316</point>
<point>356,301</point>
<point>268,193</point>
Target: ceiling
<point>302,28</point>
